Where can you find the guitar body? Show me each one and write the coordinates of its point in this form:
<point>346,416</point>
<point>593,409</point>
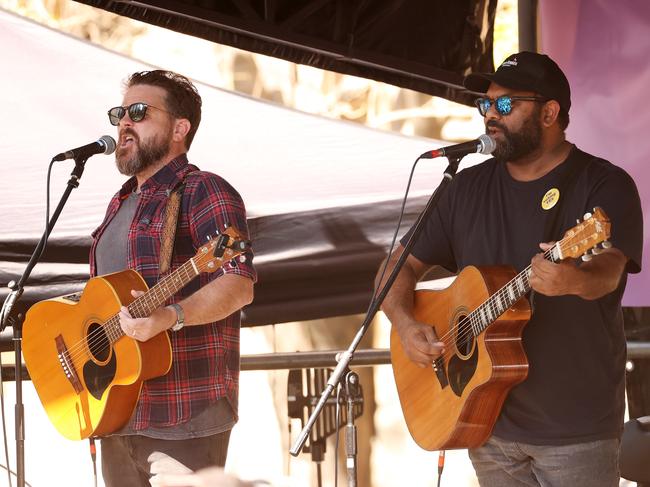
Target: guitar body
<point>457,406</point>
<point>106,380</point>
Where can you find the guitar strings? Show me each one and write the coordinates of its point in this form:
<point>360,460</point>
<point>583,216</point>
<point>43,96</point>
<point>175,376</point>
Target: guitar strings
<point>467,332</point>
<point>100,339</point>
<point>463,340</point>
<point>137,308</point>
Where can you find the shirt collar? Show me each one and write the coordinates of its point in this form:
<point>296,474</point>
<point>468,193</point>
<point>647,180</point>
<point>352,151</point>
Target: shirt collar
<point>167,177</point>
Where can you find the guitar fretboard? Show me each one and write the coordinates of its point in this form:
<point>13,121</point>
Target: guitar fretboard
<point>153,299</point>
<point>504,298</point>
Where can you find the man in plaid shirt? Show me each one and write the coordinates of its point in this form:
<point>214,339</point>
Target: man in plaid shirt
<point>189,412</point>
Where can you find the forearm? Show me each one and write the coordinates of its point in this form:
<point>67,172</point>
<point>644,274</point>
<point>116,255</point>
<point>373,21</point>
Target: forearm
<point>398,303</point>
<point>217,300</point>
<point>599,276</point>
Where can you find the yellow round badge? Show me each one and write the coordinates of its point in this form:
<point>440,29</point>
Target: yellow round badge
<point>551,198</point>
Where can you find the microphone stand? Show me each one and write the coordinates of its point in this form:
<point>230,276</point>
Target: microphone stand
<point>16,322</point>
<point>352,396</point>
<point>346,357</point>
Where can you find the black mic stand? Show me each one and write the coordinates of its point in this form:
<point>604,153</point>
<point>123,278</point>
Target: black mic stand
<point>6,318</point>
<point>346,357</point>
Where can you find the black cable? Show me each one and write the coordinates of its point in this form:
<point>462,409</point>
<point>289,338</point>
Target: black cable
<point>336,441</point>
<point>4,430</point>
<point>47,206</point>
<point>11,472</point>
<point>392,244</point>
<point>4,423</point>
<point>372,299</point>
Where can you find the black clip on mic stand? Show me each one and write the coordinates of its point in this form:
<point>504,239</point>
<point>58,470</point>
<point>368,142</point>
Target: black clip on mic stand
<point>345,358</point>
<point>17,290</point>
<point>353,395</point>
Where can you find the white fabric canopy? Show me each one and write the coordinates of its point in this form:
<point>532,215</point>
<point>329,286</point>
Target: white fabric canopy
<point>56,90</point>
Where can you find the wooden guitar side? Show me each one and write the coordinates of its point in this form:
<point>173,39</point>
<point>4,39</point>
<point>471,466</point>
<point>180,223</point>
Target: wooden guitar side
<point>79,414</point>
<point>436,416</point>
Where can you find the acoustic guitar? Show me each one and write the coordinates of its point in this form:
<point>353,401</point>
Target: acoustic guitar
<point>88,374</point>
<point>480,319</point>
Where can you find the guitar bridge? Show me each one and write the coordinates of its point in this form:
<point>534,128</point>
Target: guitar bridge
<point>66,364</point>
<point>438,366</point>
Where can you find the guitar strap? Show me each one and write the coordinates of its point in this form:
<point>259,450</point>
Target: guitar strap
<point>170,223</point>
<point>552,231</point>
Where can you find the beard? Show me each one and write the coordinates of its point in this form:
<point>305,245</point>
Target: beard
<point>146,152</point>
<point>517,145</point>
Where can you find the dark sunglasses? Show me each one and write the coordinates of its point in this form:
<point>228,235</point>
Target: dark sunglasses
<point>503,104</point>
<point>136,111</point>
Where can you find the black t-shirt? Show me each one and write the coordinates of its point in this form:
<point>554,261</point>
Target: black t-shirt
<point>576,348</point>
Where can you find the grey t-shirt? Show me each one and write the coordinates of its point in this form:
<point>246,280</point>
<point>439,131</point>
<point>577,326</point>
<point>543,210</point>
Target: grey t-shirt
<point>111,252</point>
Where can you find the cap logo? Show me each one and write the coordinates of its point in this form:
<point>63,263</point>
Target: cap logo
<point>509,62</point>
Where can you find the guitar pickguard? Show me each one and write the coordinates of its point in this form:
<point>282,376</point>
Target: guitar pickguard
<point>98,377</point>
<point>461,370</point>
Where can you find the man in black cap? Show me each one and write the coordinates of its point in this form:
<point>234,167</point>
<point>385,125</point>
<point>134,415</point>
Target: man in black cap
<point>561,426</point>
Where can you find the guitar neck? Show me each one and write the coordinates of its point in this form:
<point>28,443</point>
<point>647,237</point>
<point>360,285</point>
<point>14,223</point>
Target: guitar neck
<point>508,295</point>
<point>154,298</point>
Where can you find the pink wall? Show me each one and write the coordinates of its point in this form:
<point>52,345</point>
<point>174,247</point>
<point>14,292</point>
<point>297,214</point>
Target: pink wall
<point>604,48</point>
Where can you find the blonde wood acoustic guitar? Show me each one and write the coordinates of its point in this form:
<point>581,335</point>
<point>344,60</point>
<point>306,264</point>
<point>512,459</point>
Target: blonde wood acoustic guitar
<point>88,374</point>
<point>480,319</point>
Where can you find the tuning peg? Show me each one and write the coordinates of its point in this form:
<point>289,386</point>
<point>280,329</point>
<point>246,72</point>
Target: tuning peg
<point>578,221</point>
<point>596,250</point>
<point>587,216</point>
<point>587,257</point>
<point>242,258</point>
<point>607,244</point>
<point>208,238</point>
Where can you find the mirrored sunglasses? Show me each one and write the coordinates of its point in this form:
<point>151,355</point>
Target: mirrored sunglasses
<point>503,104</point>
<point>136,111</point>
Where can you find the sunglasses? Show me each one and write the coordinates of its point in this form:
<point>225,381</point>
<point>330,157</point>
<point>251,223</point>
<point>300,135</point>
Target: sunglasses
<point>136,112</point>
<point>503,104</point>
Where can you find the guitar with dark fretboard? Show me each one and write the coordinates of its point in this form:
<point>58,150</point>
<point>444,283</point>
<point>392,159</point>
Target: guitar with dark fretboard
<point>480,319</point>
<point>87,373</point>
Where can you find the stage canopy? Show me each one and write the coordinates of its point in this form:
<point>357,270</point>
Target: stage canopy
<point>425,45</point>
<point>322,195</point>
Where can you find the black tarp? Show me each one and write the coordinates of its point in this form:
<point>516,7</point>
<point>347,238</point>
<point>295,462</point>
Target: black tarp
<point>424,45</point>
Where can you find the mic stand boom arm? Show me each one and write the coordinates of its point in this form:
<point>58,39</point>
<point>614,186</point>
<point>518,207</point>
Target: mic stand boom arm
<point>14,295</point>
<point>346,357</point>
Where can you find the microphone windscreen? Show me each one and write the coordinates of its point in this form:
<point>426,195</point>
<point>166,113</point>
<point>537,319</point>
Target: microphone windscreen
<point>487,144</point>
<point>109,144</point>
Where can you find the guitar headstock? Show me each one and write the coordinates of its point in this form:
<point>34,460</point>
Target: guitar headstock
<point>221,249</point>
<point>594,229</point>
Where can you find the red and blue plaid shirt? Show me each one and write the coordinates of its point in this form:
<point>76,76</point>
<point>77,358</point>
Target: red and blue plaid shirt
<point>205,363</point>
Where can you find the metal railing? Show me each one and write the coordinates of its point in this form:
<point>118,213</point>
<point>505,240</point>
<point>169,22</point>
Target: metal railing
<point>316,359</point>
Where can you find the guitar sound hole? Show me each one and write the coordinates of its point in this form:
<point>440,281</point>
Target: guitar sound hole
<point>464,336</point>
<point>98,343</point>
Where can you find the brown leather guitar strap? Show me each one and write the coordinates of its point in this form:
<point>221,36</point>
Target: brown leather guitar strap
<point>169,228</point>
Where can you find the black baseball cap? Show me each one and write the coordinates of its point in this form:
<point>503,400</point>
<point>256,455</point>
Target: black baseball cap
<point>527,71</point>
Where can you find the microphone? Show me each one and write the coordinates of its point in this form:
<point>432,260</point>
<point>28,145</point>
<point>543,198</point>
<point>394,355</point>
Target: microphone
<point>483,145</point>
<point>105,145</point>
